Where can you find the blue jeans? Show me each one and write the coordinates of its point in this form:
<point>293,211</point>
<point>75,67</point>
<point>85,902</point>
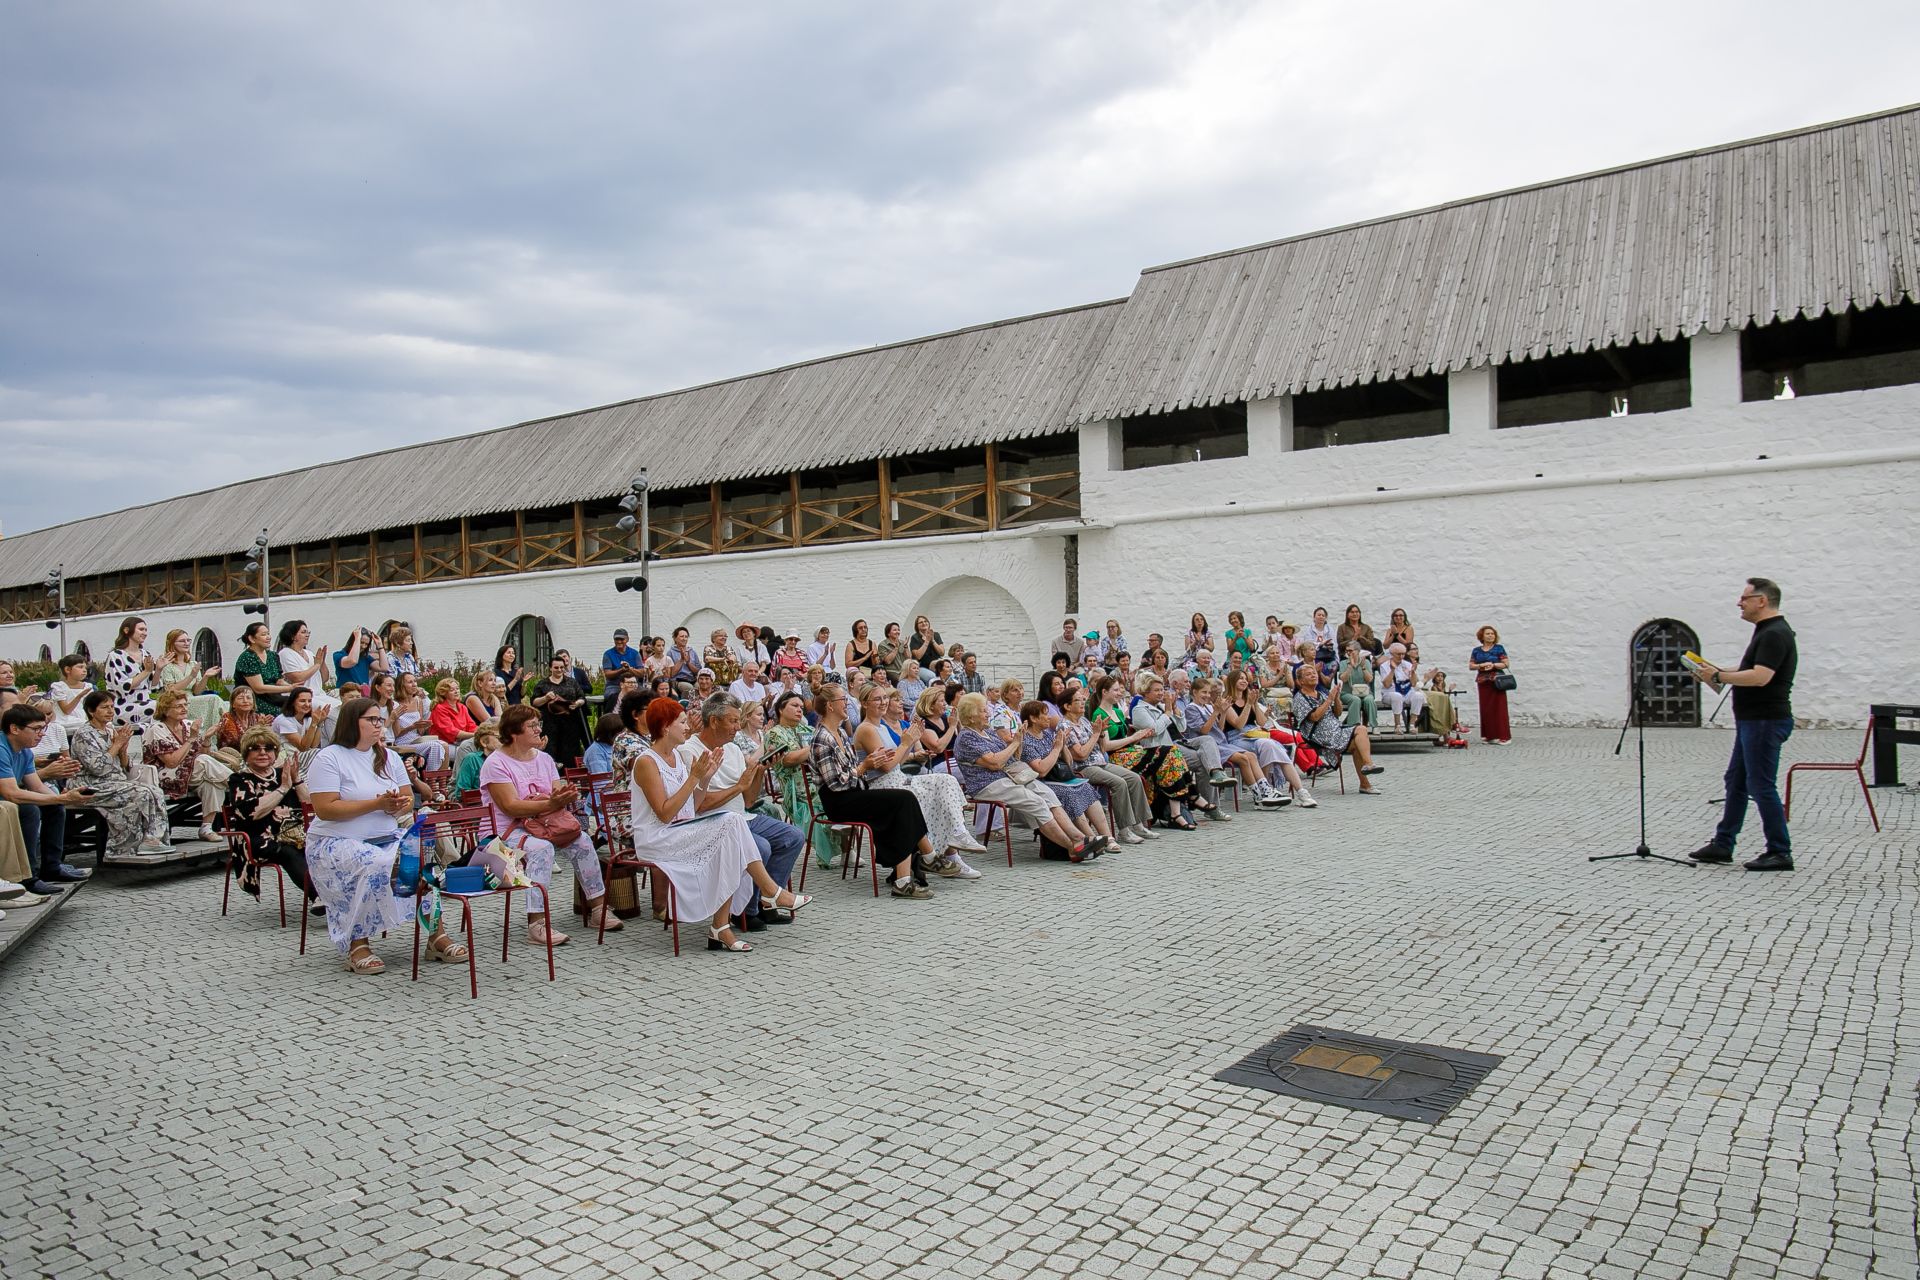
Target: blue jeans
<point>780,844</point>
<point>1751,775</point>
<point>43,828</point>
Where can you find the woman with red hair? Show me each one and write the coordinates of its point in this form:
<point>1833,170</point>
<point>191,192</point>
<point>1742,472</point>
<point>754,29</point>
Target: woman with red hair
<point>711,861</point>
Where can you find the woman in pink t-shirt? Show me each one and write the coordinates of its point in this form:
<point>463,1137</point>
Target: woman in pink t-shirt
<point>520,781</point>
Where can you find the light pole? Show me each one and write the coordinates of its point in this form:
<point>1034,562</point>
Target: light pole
<point>257,562</point>
<point>636,501</point>
<point>57,592</point>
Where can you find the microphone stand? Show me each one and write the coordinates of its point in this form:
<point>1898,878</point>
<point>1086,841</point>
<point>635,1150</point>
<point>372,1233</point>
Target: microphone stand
<point>1636,717</point>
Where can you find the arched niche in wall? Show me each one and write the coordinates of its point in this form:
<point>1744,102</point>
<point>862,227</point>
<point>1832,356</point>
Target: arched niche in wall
<point>986,618</point>
<point>1671,696</point>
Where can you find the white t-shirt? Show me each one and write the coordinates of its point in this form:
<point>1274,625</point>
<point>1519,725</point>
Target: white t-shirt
<point>349,774</point>
<point>824,652</point>
<point>748,692</point>
<point>733,763</point>
<point>60,691</point>
<point>292,659</point>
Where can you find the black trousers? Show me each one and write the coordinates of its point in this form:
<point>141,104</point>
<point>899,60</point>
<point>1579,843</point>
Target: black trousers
<point>898,825</point>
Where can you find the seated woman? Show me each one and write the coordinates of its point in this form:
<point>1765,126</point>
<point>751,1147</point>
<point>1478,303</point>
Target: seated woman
<point>466,775</point>
<point>1162,770</point>
<point>712,863</point>
<point>413,723</point>
<point>1245,719</point>
<point>1399,630</point>
<point>752,737</point>
<point>180,673</point>
<point>1003,709</point>
<point>259,668</point>
<point>1042,747</point>
<point>937,726</point>
<point>598,757</point>
<point>1400,690</point>
<point>789,656</point>
<point>1356,687</point>
<point>487,700</point>
<point>911,684</point>
<point>890,653</point>
<point>241,716</point>
<point>1433,683</point>
<point>1154,709</point>
<point>982,759</point>
<point>1206,716</point>
<point>259,803</point>
<point>879,741</point>
<point>135,812</point>
<point>1354,628</point>
<point>1132,815</point>
<point>177,747</point>
<point>450,721</point>
<point>301,729</point>
<point>718,657</point>
<point>1313,708</point>
<point>899,828</point>
<point>787,742</point>
<point>361,796</point>
<point>533,812</point>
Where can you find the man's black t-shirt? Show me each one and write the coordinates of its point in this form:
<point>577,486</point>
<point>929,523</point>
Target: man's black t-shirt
<point>1772,646</point>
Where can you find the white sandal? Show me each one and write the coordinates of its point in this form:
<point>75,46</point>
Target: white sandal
<point>715,944</point>
<point>774,904</point>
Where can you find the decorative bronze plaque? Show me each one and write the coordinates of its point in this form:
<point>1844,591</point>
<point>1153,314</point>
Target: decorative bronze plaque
<point>1365,1073</point>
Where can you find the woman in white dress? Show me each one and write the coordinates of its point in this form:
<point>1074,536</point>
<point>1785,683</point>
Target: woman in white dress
<point>413,724</point>
<point>712,863</point>
<point>942,803</point>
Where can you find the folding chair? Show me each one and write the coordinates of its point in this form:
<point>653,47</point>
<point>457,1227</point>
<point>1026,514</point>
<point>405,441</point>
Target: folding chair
<point>472,827</point>
<point>861,837</point>
<point>1857,767</point>
<point>617,812</point>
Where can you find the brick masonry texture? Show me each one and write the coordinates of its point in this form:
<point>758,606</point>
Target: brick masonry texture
<point>1708,1073</point>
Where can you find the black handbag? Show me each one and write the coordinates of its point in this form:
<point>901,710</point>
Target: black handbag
<point>1504,681</point>
<point>1062,771</point>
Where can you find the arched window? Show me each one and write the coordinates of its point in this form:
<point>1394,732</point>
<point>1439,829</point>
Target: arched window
<point>532,642</point>
<point>46,653</point>
<point>80,647</point>
<point>1672,695</point>
<point>206,649</point>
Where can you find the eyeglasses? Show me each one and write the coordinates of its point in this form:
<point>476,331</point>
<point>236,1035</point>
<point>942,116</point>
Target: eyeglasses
<point>1751,595</point>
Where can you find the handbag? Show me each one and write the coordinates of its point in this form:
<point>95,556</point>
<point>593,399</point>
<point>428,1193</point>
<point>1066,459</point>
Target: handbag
<point>1019,773</point>
<point>1504,681</point>
<point>1062,771</point>
<point>559,828</point>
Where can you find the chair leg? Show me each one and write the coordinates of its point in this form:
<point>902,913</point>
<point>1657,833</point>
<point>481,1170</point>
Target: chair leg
<point>473,952</point>
<point>506,922</point>
<point>280,879</point>
<point>873,863</point>
<point>549,942</point>
<point>1868,797</point>
<point>673,916</point>
<point>1786,809</point>
<point>416,945</point>
<point>806,856</point>
<point>1006,833</point>
<point>226,884</point>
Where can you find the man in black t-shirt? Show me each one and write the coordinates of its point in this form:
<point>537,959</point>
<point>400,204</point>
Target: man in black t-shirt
<point>1762,723</point>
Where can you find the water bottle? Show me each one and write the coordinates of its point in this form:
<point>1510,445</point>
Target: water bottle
<point>406,866</point>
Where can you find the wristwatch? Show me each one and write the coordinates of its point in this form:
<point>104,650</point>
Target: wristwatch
<point>1715,679</point>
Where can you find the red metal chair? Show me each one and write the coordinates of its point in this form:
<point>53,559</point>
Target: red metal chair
<point>472,827</point>
<point>438,779</point>
<point>1857,767</point>
<point>238,847</point>
<point>617,813</point>
<point>861,838</point>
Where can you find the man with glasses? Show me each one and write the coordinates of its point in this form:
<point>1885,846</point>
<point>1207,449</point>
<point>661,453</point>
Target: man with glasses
<point>735,784</point>
<point>43,817</point>
<point>1762,721</point>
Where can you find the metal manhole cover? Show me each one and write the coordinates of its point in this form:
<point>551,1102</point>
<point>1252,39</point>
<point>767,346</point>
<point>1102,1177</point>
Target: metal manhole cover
<point>1365,1073</point>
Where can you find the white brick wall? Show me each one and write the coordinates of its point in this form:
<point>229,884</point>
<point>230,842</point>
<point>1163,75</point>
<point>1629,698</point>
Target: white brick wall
<point>1566,573</point>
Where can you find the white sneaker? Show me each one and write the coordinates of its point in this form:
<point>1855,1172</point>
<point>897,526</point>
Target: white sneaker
<point>1305,800</point>
<point>961,871</point>
<point>8,888</point>
<point>1146,833</point>
<point>1128,837</point>
<point>970,845</point>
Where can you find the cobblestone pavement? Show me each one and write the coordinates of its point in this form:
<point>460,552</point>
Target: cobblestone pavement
<point>1707,1073</point>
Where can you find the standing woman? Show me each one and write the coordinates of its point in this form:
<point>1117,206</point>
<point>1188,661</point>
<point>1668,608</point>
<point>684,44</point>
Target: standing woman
<point>135,812</point>
<point>304,665</point>
<point>860,649</point>
<point>788,739</point>
<point>899,829</point>
<point>400,655</point>
<point>132,676</point>
<point>177,747</point>
<point>1399,630</point>
<point>301,728</point>
<point>183,675</point>
<point>510,676</point>
<point>942,804</point>
<point>259,668</point>
<point>713,864</point>
<point>1239,640</point>
<point>1357,628</point>
<point>923,646</point>
<point>1198,638</point>
<point>1489,659</point>
<point>889,655</point>
<point>1132,817</point>
<point>360,792</point>
<point>559,700</point>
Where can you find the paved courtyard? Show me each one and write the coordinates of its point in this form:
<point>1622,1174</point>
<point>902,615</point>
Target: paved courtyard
<point>1707,1073</point>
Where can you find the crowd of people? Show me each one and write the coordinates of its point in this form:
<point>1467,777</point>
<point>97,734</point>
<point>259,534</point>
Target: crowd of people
<point>736,757</point>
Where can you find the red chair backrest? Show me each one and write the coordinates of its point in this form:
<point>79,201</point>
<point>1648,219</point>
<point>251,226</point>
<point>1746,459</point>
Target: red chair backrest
<point>616,811</point>
<point>470,826</point>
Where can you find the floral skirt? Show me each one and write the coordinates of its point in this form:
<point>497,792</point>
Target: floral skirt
<point>1163,769</point>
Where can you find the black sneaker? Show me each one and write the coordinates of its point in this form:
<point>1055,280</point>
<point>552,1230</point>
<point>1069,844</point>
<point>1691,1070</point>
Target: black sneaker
<point>1770,861</point>
<point>1711,852</point>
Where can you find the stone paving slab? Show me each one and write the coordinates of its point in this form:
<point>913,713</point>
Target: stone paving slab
<point>1707,1073</point>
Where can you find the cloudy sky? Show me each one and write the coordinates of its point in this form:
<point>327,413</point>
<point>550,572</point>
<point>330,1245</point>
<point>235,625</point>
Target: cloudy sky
<point>244,237</point>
